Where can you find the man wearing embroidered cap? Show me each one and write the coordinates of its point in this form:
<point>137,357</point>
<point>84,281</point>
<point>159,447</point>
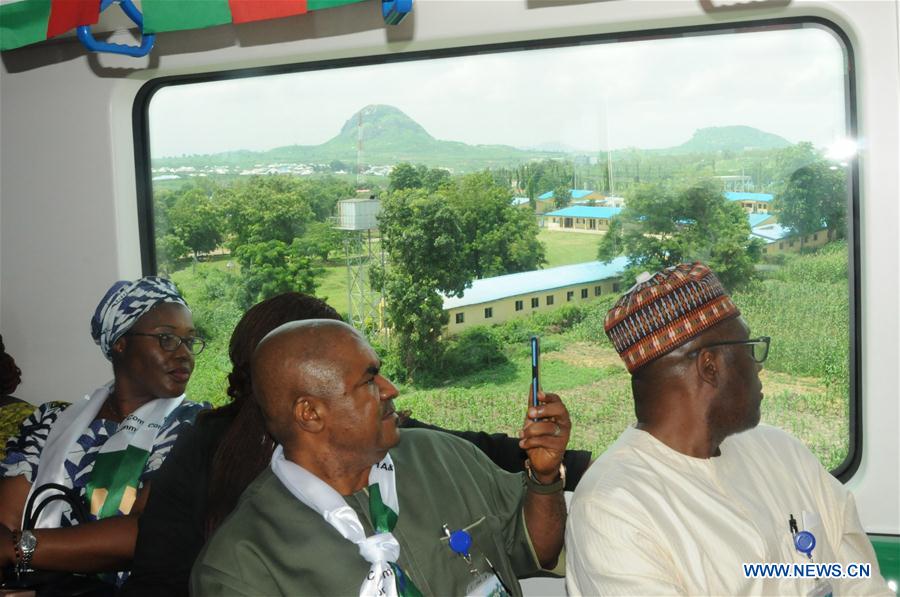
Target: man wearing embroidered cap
<point>353,506</point>
<point>697,487</point>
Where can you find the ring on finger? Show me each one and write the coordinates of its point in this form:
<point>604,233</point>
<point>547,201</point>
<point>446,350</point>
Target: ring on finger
<point>557,431</point>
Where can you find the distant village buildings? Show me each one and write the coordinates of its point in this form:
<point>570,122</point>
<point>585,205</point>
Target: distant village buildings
<point>753,203</point>
<point>581,218</point>
<point>499,299</point>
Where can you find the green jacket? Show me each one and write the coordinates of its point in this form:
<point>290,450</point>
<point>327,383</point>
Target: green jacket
<point>272,544</point>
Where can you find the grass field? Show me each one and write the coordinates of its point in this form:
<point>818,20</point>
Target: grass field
<point>802,305</point>
<point>563,248</point>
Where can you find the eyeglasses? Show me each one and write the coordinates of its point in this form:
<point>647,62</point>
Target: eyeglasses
<point>171,342</point>
<point>759,347</point>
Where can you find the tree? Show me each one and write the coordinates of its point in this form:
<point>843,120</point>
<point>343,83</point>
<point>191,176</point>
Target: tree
<point>814,197</point>
<point>499,239</point>
<point>562,196</point>
<point>320,239</point>
<point>437,243</point>
<point>426,252</point>
<point>663,226</point>
<point>547,175</point>
<point>273,267</point>
<point>197,221</point>
<point>404,176</point>
<point>169,249</point>
<point>322,194</point>
<point>267,220</point>
<point>435,178</point>
<point>267,208</point>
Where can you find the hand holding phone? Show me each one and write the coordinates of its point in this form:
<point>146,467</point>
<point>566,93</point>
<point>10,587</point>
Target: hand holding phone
<point>535,371</point>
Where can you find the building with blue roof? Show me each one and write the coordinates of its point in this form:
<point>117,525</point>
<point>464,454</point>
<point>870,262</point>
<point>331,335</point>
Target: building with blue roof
<point>781,239</point>
<point>576,194</point>
<point>753,203</point>
<point>499,299</point>
<point>760,219</point>
<point>581,218</point>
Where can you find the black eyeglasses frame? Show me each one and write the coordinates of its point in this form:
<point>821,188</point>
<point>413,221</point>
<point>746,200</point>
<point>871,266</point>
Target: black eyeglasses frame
<point>190,342</point>
<point>764,340</point>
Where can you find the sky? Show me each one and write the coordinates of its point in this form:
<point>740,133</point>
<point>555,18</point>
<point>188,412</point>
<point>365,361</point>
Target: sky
<point>645,94</point>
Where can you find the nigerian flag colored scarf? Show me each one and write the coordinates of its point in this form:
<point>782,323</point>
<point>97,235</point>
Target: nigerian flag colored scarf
<point>24,22</point>
<point>381,550</point>
<point>175,15</point>
<point>114,478</point>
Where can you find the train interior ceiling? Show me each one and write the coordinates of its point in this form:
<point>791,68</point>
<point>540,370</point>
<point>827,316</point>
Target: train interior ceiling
<point>72,162</point>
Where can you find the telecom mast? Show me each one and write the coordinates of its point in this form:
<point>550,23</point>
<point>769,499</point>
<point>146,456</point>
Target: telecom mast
<point>359,147</point>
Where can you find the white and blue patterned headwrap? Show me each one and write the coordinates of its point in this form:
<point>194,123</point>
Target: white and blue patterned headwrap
<point>124,304</point>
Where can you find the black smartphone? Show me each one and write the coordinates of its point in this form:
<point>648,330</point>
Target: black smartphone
<point>535,369</point>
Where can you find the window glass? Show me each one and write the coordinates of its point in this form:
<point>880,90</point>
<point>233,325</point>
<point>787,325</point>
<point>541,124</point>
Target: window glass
<point>470,180</point>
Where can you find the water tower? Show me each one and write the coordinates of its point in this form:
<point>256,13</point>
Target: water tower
<point>357,218</point>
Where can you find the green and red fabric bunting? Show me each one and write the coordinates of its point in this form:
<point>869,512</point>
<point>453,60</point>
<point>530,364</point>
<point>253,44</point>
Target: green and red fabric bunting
<point>24,22</point>
<point>175,15</point>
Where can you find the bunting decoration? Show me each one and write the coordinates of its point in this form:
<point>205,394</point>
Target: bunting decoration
<point>24,22</point>
<point>176,15</point>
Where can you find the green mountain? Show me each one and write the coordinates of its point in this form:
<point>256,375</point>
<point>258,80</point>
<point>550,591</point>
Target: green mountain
<point>386,137</point>
<point>729,138</point>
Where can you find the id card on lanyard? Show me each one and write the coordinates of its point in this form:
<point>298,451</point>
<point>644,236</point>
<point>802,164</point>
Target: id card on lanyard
<point>805,543</point>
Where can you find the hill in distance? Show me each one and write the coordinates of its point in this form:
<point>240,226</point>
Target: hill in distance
<point>389,137</point>
<point>728,138</point>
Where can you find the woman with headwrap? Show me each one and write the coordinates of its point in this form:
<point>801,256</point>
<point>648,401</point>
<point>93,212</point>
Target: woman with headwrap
<point>106,446</point>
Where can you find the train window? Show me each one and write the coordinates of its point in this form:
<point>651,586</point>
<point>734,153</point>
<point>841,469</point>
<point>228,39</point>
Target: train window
<point>402,187</point>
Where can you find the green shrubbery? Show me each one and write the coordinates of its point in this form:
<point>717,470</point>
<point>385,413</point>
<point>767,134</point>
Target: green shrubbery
<point>473,350</point>
<point>804,307</point>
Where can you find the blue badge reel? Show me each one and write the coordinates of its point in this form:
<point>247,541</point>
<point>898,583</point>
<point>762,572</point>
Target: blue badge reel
<point>461,543</point>
<point>805,542</point>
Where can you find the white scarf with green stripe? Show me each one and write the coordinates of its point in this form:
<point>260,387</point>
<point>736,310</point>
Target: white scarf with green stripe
<point>380,549</point>
<point>117,469</point>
